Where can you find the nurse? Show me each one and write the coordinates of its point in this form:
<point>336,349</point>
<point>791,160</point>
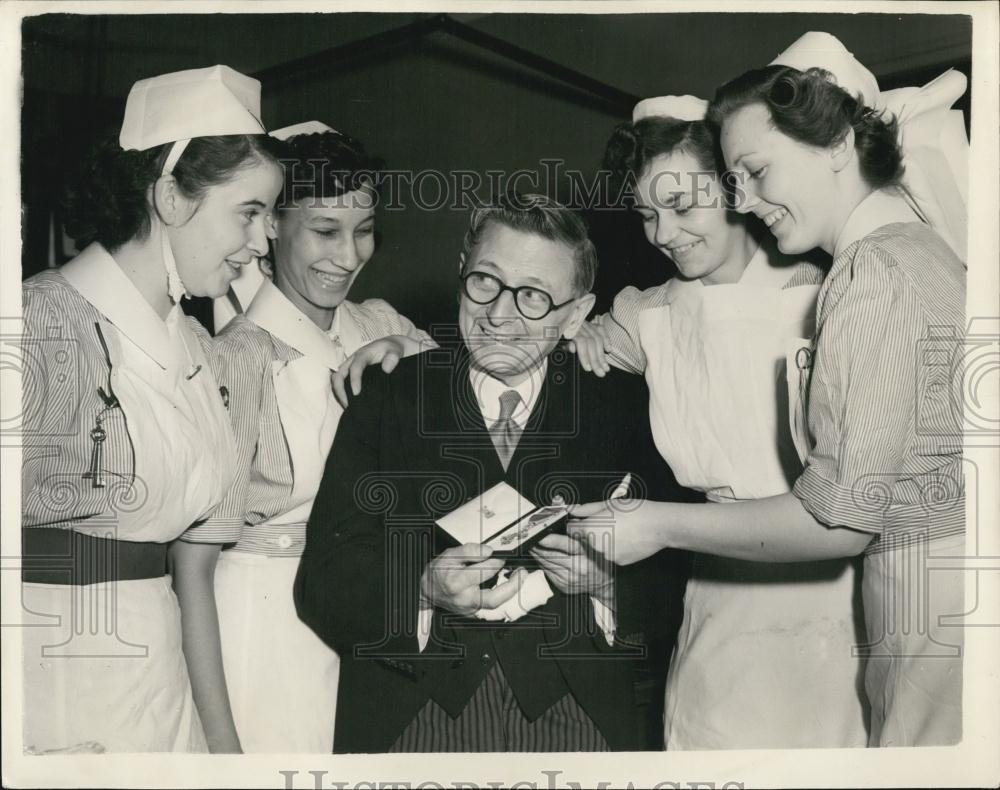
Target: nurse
<point>275,362</point>
<point>126,437</point>
<point>757,638</point>
<point>883,477</point>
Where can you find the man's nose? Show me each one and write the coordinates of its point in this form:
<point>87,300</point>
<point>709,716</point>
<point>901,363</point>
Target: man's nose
<point>502,309</point>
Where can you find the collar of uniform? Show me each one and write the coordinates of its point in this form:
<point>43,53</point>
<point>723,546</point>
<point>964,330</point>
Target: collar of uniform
<point>345,328</point>
<point>100,280</point>
<point>676,286</point>
<point>272,310</point>
<point>767,268</point>
<point>488,391</point>
<point>882,207</point>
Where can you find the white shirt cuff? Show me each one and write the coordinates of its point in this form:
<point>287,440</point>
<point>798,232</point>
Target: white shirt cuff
<point>424,619</point>
<point>602,614</point>
<point>605,619</point>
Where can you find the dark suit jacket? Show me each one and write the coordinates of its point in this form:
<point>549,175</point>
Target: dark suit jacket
<point>410,449</point>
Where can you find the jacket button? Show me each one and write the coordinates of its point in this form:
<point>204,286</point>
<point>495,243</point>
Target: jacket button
<point>486,658</point>
<point>285,542</point>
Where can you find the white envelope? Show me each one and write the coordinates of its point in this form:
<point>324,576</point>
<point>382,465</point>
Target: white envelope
<point>486,514</point>
<point>499,517</point>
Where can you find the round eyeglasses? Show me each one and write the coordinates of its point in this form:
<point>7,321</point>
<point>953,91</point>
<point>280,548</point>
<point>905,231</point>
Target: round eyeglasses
<point>531,302</point>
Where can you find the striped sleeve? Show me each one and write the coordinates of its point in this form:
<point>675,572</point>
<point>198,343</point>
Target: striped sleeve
<point>622,328</point>
<point>863,396</point>
<point>805,273</point>
<point>41,416</point>
<point>45,404</point>
<point>63,368</point>
<point>377,319</point>
<point>240,357</point>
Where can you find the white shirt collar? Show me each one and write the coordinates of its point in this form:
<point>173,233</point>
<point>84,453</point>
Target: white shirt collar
<point>882,207</point>
<point>100,280</point>
<point>488,391</point>
<point>273,311</point>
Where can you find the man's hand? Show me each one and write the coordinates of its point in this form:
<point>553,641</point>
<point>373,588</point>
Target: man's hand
<point>574,569</point>
<point>451,581</point>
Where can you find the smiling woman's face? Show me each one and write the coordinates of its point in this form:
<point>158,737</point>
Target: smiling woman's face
<point>320,248</point>
<point>226,230</point>
<point>788,184</point>
<point>684,215</point>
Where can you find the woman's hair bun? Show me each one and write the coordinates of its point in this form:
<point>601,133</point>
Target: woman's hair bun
<point>810,107</point>
<point>106,200</point>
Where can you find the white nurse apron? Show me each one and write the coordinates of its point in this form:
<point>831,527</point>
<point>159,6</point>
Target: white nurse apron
<point>109,666</point>
<point>764,653</point>
<point>282,678</point>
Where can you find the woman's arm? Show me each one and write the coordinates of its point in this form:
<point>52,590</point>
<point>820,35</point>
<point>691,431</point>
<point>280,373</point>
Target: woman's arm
<point>774,529</point>
<point>612,339</point>
<point>193,569</point>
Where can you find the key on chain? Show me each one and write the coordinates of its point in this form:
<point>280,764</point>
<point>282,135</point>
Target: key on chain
<point>96,473</point>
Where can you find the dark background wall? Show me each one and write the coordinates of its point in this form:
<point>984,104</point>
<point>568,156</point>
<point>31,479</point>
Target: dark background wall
<point>435,97</point>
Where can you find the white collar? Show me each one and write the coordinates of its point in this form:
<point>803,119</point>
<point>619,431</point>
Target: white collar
<point>344,329</point>
<point>488,391</point>
<point>882,207</point>
<point>766,269</point>
<point>273,311</point>
<point>100,280</point>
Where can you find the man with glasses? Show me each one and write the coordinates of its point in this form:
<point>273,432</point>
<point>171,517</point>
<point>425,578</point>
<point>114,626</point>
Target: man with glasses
<point>426,667</point>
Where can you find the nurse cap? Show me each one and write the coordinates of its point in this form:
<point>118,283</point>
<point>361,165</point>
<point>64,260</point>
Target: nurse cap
<point>683,108</point>
<point>176,107</point>
<point>306,127</point>
<point>932,136</point>
<point>824,51</point>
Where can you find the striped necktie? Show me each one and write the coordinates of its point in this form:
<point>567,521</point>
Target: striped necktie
<point>505,432</point>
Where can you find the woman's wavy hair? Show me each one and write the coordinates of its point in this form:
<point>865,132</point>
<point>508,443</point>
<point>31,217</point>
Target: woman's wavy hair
<point>808,106</point>
<point>633,145</point>
<point>326,164</point>
<point>108,200</point>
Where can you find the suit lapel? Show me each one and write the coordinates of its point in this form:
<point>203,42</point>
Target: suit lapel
<point>448,419</point>
<point>448,415</point>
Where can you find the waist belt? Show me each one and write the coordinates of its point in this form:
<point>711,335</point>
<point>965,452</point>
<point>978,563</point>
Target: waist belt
<point>64,556</point>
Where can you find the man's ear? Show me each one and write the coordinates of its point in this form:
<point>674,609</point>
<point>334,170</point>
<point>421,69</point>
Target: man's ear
<point>171,206</point>
<point>581,310</point>
<point>842,151</point>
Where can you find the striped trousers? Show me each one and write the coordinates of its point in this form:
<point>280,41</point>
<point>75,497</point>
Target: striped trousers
<point>492,721</point>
